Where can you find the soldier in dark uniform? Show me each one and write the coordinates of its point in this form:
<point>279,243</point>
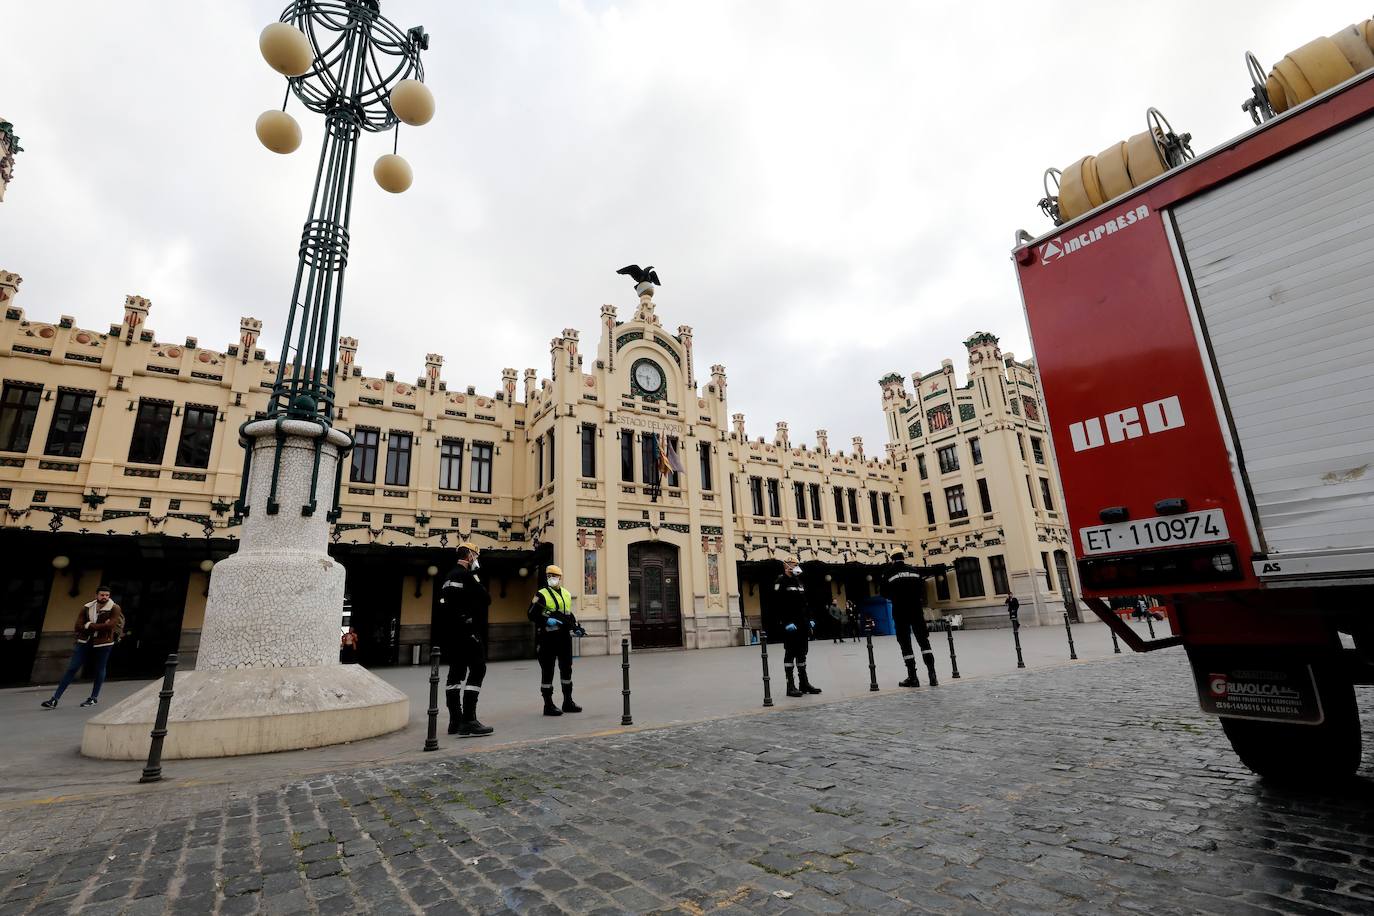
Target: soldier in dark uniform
<point>463,603</point>
<point>905,586</point>
<point>555,625</point>
<point>793,622</point>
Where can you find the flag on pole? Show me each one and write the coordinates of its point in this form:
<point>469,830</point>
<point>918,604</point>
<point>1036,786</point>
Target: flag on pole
<point>674,460</point>
<point>661,454</point>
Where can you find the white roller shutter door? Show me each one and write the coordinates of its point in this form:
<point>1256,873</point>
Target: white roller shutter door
<point>1282,260</point>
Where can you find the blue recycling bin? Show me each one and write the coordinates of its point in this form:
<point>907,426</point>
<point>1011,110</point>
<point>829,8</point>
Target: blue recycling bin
<point>879,610</point>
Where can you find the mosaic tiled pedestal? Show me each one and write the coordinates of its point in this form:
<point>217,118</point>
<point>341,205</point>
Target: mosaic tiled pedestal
<point>268,677</point>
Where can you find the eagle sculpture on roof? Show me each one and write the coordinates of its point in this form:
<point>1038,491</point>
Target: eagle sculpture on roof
<point>640,275</point>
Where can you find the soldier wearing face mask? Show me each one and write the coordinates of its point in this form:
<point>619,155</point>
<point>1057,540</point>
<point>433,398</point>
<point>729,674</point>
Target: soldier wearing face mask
<point>555,625</point>
<point>790,616</point>
<point>463,604</point>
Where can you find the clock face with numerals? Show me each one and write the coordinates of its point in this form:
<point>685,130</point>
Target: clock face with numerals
<point>648,377</point>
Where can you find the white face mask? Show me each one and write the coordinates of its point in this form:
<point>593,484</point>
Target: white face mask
<point>476,564</point>
<point>554,581</point>
<point>796,570</point>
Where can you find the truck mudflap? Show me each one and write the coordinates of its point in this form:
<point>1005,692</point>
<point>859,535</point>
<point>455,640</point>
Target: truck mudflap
<point>1238,683</point>
<point>1127,635</point>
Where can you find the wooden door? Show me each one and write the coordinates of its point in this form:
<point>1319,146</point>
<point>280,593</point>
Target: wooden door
<point>655,590</point>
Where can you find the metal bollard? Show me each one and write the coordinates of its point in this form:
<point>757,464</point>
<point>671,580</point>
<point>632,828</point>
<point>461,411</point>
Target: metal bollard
<point>872,665</point>
<point>1073,655</point>
<point>953,661</point>
<point>1016,637</point>
<point>763,646</point>
<point>153,771</point>
<point>625,717</point>
<point>1150,622</point>
<point>432,736</point>
<point>1116,646</point>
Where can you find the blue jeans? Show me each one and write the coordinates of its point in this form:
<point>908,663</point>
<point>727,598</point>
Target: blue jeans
<point>84,653</point>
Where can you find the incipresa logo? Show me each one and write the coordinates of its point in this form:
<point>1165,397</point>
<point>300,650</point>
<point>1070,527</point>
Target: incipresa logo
<point>1063,246</point>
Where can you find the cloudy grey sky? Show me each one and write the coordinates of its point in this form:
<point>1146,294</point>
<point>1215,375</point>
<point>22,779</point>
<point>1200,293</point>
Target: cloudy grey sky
<point>829,190</point>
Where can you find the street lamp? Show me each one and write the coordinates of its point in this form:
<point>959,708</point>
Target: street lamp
<point>270,638</point>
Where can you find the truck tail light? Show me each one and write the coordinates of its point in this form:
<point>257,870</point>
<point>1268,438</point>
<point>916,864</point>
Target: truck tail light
<point>1182,566</point>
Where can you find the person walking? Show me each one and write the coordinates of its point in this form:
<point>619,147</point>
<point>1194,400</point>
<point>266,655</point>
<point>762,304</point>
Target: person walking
<point>555,625</point>
<point>793,621</point>
<point>98,626</point>
<point>463,605</point>
<point>905,586</point>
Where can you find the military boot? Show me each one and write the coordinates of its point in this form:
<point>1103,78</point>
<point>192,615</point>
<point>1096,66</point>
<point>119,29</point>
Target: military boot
<point>911,679</point>
<point>453,699</point>
<point>804,682</point>
<point>471,728</point>
<point>568,704</point>
<point>792,690</point>
<point>549,708</point>
<point>930,668</point>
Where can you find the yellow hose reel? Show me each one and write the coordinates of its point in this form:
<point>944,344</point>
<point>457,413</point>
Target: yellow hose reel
<point>1307,72</point>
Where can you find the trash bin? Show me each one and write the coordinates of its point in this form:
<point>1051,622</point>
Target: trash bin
<point>880,611</point>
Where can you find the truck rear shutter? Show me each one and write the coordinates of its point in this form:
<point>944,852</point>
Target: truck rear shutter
<point>1282,262</point>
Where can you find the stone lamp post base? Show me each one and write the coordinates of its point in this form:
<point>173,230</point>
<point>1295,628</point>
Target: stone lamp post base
<point>229,712</point>
<point>267,674</point>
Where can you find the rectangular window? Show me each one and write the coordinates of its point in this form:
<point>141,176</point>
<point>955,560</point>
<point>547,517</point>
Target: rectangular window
<point>983,496</point>
<point>479,480</point>
<point>930,509</point>
<point>799,496</point>
<point>18,410</point>
<point>627,456</point>
<point>1045,494</point>
<point>756,495</point>
<point>1030,488</point>
<point>648,459</point>
<point>774,500</point>
<point>921,466</point>
<point>588,450</point>
<point>1049,576</point>
<point>706,483</point>
<point>398,459</point>
<point>538,462</point>
<point>976,448</point>
<point>853,507</point>
<point>887,509</point>
<point>1000,585</point>
<point>71,419</point>
<point>949,458</point>
<point>451,464</point>
<point>969,572</point>
<point>551,456</point>
<point>942,588</point>
<point>1021,445</point>
<point>733,506</point>
<point>873,507</point>
<point>839,505</point>
<point>1037,450</point>
<point>674,459</point>
<point>197,435</point>
<point>364,467</point>
<point>954,502</point>
<point>150,431</point>
<point>816,501</point>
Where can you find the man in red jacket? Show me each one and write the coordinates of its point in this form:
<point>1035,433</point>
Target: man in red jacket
<point>98,626</point>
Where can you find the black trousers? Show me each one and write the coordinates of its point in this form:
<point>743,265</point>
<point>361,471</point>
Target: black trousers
<point>795,647</point>
<point>467,667</point>
<point>908,622</point>
<point>555,647</point>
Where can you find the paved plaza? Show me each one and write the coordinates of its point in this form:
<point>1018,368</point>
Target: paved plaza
<point>1090,787</point>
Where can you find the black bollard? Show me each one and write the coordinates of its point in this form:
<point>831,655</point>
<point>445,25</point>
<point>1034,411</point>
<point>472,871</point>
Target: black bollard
<point>953,661</point>
<point>153,771</point>
<point>1150,622</point>
<point>1073,655</point>
<point>625,717</point>
<point>1016,637</point>
<point>1116,646</point>
<point>763,653</point>
<point>872,665</point>
<point>432,736</point>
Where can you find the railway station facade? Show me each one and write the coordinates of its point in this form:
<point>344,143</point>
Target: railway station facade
<point>120,463</point>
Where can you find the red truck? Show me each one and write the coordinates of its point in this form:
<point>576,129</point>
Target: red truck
<point>1206,346</point>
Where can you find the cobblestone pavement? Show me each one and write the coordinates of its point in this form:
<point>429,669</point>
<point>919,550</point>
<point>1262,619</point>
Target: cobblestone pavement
<point>1102,790</point>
